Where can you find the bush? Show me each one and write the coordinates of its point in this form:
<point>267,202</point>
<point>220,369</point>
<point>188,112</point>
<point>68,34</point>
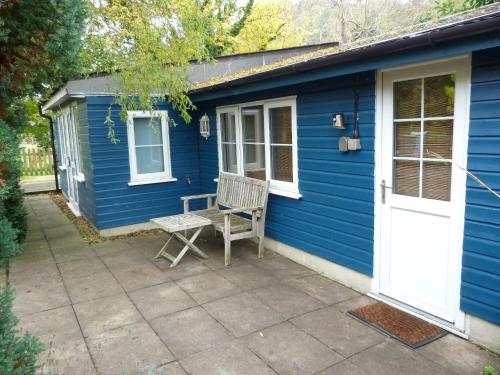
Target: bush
<point>18,352</point>
<point>488,370</point>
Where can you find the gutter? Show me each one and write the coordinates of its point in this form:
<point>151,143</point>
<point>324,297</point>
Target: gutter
<point>52,143</point>
<point>431,38</point>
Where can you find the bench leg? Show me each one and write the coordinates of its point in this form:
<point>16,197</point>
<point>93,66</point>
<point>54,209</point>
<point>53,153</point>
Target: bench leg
<point>261,246</point>
<point>227,240</point>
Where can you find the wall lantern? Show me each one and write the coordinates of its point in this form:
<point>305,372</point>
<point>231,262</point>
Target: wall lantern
<point>338,121</point>
<point>205,126</point>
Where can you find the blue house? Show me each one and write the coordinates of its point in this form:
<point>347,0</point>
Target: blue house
<point>383,158</point>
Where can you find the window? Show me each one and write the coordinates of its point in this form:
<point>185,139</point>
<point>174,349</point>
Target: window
<point>149,148</point>
<point>259,140</point>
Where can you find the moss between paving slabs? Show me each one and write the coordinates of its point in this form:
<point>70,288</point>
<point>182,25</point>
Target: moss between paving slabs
<point>87,231</point>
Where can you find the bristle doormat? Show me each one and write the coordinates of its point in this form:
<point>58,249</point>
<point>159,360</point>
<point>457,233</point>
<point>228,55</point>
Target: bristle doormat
<point>402,326</point>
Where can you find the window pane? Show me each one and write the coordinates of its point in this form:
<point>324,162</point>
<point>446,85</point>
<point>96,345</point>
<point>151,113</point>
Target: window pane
<point>438,139</point>
<point>407,139</point>
<point>436,180</point>
<point>228,127</point>
<point>407,99</point>
<point>149,159</point>
<point>253,124</point>
<point>147,132</point>
<point>406,177</point>
<point>282,163</point>
<point>280,125</point>
<point>255,161</point>
<point>229,158</point>
<point>439,95</point>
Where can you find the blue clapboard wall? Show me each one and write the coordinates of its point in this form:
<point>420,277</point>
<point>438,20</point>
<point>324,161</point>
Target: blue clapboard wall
<point>334,217</point>
<point>480,292</point>
<point>116,202</point>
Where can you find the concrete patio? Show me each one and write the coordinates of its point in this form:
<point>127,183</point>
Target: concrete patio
<point>111,308</point>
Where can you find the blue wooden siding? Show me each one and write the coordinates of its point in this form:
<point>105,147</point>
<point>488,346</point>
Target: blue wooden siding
<point>117,203</point>
<point>480,292</point>
<point>334,219</point>
<point>86,193</point>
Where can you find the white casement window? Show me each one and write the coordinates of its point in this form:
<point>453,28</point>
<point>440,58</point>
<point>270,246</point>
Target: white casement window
<point>149,147</point>
<point>259,140</point>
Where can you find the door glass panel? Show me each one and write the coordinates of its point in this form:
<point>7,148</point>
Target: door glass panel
<point>438,139</point>
<point>436,180</point>
<point>406,177</point>
<point>227,127</point>
<point>407,99</point>
<point>229,158</point>
<point>252,119</point>
<point>282,163</point>
<point>439,93</point>
<point>414,174</point>
<point>407,139</point>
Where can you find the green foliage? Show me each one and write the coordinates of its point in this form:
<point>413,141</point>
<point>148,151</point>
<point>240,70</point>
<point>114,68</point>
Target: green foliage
<point>36,127</point>
<point>149,44</point>
<point>448,7</point>
<point>17,353</point>
<point>9,247</point>
<point>488,370</point>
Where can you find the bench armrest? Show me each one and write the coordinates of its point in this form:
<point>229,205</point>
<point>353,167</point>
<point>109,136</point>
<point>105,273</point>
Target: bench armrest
<point>240,210</point>
<point>200,196</point>
<point>208,197</point>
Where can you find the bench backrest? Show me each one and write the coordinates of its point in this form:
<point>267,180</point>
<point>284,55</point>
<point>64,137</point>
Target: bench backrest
<point>235,191</point>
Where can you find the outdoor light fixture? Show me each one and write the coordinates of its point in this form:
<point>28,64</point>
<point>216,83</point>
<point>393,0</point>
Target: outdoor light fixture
<point>205,126</point>
<point>338,121</point>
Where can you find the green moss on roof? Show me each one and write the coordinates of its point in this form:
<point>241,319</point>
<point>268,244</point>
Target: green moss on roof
<point>403,33</point>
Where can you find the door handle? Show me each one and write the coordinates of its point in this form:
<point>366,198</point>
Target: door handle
<point>384,186</point>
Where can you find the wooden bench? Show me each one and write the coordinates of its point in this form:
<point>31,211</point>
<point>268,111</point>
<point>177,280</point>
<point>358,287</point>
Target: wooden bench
<point>236,197</point>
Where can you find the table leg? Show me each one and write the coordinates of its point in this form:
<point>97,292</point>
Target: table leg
<point>188,245</point>
<point>164,248</point>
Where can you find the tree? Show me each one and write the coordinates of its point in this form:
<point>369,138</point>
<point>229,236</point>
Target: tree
<point>269,26</point>
<point>447,7</point>
<point>148,45</point>
<point>17,353</point>
<point>37,127</point>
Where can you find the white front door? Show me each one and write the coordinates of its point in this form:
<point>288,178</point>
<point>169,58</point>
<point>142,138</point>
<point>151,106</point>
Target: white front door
<point>422,185</point>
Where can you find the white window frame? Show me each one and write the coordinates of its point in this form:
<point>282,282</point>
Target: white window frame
<point>149,178</point>
<point>287,189</point>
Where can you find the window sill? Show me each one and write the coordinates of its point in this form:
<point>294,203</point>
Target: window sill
<point>155,181</point>
<point>284,193</point>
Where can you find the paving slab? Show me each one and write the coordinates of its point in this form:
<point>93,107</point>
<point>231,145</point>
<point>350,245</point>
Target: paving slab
<point>81,267</point>
<point>160,300</point>
<point>173,368</point>
<point>340,332</point>
<point>459,355</point>
<point>72,252</point>
<point>283,268</point>
<point>207,287</point>
<point>344,368</point>
<point>247,276</point>
<point>53,327</point>
<point>190,331</point>
<point>111,247</point>
<point>287,300</point>
<point>289,350</point>
<point>188,266</point>
<point>354,303</point>
<point>228,359</point>
<point>62,231</point>
<point>69,358</point>
<point>141,276</point>
<point>39,294</point>
<point>392,358</point>
<point>243,314</point>
<point>103,314</point>
<point>124,259</point>
<point>132,349</point>
<point>87,288</point>
<point>323,289</point>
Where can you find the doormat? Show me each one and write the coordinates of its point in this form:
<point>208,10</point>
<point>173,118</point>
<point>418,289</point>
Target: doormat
<point>401,326</point>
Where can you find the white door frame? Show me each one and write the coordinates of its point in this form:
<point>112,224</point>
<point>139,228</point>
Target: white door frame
<point>460,181</point>
<point>71,163</point>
